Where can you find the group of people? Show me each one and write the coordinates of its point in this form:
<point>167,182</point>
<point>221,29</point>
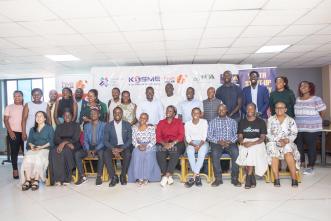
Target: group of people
<point>150,137</point>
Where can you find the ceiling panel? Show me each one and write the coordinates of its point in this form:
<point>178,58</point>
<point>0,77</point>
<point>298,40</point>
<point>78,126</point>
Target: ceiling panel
<point>138,22</point>
<point>182,34</point>
<point>184,20</point>
<point>105,38</point>
<point>48,27</point>
<point>13,29</point>
<point>144,36</point>
<point>262,31</point>
<point>185,5</point>
<point>223,32</point>
<point>129,7</point>
<point>278,17</point>
<point>238,4</point>
<point>231,18</point>
<point>93,25</point>
<point>285,4</point>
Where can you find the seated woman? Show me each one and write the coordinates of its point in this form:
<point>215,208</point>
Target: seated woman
<point>196,135</point>
<point>282,132</point>
<point>93,146</point>
<point>143,167</point>
<point>61,158</point>
<point>35,161</point>
<point>170,137</point>
<point>252,151</point>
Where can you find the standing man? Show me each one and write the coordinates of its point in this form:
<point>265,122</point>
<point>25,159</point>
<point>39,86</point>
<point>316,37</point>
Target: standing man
<point>210,105</point>
<point>152,107</point>
<point>257,94</point>
<point>118,141</point>
<point>112,103</point>
<point>185,107</point>
<point>222,135</point>
<point>230,95</point>
<point>79,93</point>
<point>170,99</point>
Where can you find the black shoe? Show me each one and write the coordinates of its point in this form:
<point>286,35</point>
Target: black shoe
<point>123,180</point>
<point>236,183</point>
<point>189,183</point>
<point>248,181</point>
<point>81,180</point>
<point>253,181</point>
<point>113,181</point>
<point>98,181</point>
<point>198,181</point>
<point>277,183</point>
<point>217,182</point>
<point>295,183</point>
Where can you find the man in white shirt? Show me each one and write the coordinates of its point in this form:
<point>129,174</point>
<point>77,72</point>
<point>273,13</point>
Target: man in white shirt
<point>185,107</point>
<point>115,92</point>
<point>152,107</point>
<point>170,99</point>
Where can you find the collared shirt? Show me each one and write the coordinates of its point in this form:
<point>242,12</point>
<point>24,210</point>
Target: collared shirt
<point>153,108</point>
<point>173,100</point>
<point>166,132</point>
<point>222,129</point>
<point>210,108</point>
<point>185,108</point>
<point>196,131</point>
<point>229,96</point>
<point>111,107</point>
<point>254,96</point>
<point>118,129</point>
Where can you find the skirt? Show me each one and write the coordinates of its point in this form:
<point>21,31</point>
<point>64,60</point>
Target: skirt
<point>253,156</point>
<point>278,152</point>
<point>35,163</point>
<point>143,165</point>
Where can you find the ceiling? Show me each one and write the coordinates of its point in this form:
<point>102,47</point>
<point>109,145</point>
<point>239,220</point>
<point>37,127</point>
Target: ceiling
<point>159,32</point>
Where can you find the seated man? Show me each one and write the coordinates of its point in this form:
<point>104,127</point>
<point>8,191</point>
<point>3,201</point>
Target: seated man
<point>118,141</point>
<point>93,145</point>
<point>222,134</point>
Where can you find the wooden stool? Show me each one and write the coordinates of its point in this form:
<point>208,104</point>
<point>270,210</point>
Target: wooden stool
<point>228,174</point>
<point>92,173</point>
<point>266,175</point>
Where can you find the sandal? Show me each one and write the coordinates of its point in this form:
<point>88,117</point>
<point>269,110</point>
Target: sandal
<point>26,185</point>
<point>35,185</point>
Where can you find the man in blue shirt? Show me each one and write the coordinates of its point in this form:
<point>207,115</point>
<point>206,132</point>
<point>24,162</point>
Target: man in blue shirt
<point>222,135</point>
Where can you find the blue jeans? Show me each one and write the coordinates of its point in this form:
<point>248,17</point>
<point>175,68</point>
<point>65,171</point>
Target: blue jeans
<point>196,164</point>
<point>216,153</point>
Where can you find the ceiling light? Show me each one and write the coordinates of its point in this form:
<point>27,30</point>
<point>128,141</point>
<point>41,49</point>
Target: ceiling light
<point>62,57</point>
<point>272,49</point>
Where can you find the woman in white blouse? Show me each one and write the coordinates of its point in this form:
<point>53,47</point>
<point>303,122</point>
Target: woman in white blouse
<point>196,134</point>
<point>282,131</point>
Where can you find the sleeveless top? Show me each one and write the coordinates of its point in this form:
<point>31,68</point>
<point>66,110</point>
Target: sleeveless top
<point>33,109</point>
<point>128,112</point>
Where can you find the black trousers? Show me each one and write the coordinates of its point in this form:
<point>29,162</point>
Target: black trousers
<point>174,153</point>
<point>15,148</point>
<point>81,154</point>
<point>126,156</point>
<point>309,139</point>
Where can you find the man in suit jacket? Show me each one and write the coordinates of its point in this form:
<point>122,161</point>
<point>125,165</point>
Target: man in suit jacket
<point>118,141</point>
<point>257,94</point>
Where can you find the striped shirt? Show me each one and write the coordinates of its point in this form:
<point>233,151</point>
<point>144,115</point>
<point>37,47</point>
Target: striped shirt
<point>222,129</point>
<point>210,108</point>
<point>307,115</point>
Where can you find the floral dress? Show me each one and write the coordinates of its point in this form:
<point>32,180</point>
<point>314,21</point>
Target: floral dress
<point>276,131</point>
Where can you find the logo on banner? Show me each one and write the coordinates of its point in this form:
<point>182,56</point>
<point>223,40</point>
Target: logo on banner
<point>72,84</point>
<point>171,80</point>
<point>144,80</point>
<point>104,82</point>
<point>204,78</point>
<point>181,78</point>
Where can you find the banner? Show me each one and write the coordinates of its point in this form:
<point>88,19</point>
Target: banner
<point>136,78</point>
<point>74,81</point>
<point>267,76</point>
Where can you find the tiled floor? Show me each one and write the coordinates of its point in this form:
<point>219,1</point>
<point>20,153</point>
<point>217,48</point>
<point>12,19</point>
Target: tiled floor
<point>311,201</point>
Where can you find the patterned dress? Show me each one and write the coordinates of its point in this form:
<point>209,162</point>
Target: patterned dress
<point>143,163</point>
<point>276,131</point>
<point>129,112</point>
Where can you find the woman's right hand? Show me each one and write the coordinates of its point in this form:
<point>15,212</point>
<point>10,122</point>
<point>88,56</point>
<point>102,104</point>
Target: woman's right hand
<point>24,136</point>
<point>12,135</point>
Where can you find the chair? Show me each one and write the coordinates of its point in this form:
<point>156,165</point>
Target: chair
<point>283,174</point>
<point>92,172</point>
<point>185,169</point>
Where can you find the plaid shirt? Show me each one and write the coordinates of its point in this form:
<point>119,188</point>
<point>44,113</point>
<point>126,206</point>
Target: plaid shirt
<point>222,129</point>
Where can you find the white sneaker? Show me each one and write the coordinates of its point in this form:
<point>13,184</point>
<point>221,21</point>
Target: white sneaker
<point>164,181</point>
<point>170,180</point>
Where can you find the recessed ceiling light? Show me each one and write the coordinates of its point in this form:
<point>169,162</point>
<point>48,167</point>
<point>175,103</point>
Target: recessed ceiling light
<point>272,49</point>
<point>62,57</point>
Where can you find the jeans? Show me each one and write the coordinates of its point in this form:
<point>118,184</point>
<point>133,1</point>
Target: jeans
<point>196,164</point>
<point>308,138</point>
<point>216,153</point>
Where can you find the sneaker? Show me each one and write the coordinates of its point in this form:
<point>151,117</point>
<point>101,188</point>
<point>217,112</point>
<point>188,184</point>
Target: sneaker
<point>58,183</point>
<point>164,181</point>
<point>189,183</point>
<point>170,180</point>
<point>248,182</point>
<point>308,171</point>
<point>81,180</point>
<point>198,181</point>
<point>98,181</point>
